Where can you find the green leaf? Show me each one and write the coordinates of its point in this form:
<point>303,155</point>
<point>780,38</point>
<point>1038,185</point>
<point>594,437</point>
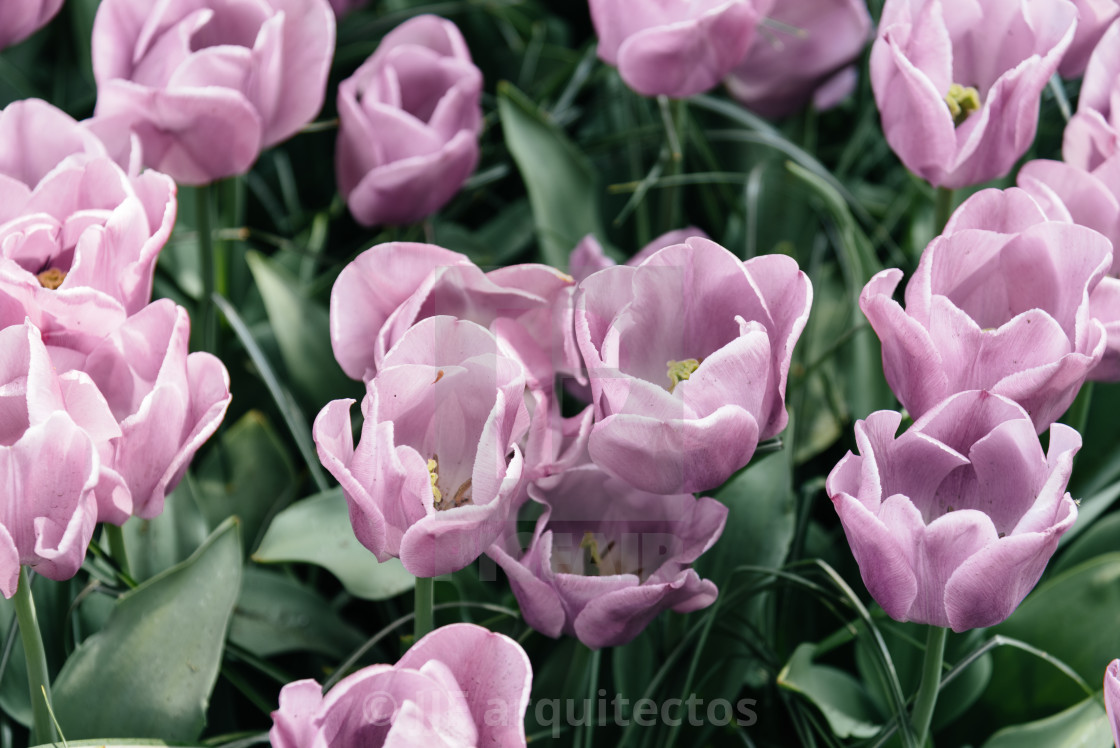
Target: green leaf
<point>1082,726</point>
<point>302,330</point>
<point>115,743</point>
<point>1101,537</point>
<point>840,697</point>
<point>155,545</point>
<point>151,670</point>
<point>317,531</point>
<point>276,614</point>
<point>559,178</point>
<point>52,603</point>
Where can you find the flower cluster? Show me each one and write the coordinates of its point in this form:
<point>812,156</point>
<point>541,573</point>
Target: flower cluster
<point>96,382</point>
<point>465,371</point>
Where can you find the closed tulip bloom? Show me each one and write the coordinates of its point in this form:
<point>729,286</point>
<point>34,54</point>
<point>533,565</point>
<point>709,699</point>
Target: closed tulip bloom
<point>605,558</point>
<point>1112,698</point>
<point>436,473</point>
<point>48,463</point>
<point>785,68</point>
<point>688,356</point>
<point>409,120</point>
<point>206,85</point>
<point>460,685</point>
<point>1001,302</point>
<point>675,48</point>
<point>953,522</point>
<point>1093,19</point>
<point>20,19</point>
<point>1093,134</point>
<point>958,82</point>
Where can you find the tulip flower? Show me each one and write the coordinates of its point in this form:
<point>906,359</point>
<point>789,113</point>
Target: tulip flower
<point>342,7</point>
<point>587,257</point>
<point>953,522</point>
<point>49,465</point>
<point>606,558</point>
<point>1112,698</point>
<point>957,107</point>
<point>436,473</point>
<point>206,86</point>
<point>675,48</point>
<point>784,68</point>
<point>1093,134</point>
<point>1093,19</point>
<point>1001,302</point>
<point>20,19</point>
<point>684,391</point>
<point>409,121</point>
<point>460,685</point>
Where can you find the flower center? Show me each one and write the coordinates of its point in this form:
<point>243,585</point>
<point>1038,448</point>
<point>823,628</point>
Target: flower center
<point>962,101</point>
<point>678,371</point>
<point>51,278</point>
<point>462,494</point>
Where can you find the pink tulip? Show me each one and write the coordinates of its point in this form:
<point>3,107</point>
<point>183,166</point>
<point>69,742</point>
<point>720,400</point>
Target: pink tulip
<point>460,685</point>
<point>588,257</point>
<point>1093,19</point>
<point>675,48</point>
<point>206,85</point>
<point>952,522</point>
<point>1112,698</point>
<point>1093,134</point>
<point>957,108</point>
<point>688,356</point>
<point>75,229</point>
<point>1001,302</point>
<point>48,462</point>
<point>438,468</point>
<point>606,558</point>
<point>409,121</point>
<point>784,68</point>
<point>19,19</point>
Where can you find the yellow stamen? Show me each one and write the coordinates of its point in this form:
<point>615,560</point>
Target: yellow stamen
<point>433,475</point>
<point>962,102</point>
<point>592,545</point>
<point>680,371</point>
<point>51,278</point>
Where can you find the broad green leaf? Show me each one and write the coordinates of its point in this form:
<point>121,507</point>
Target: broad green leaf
<point>1082,726</point>
<point>302,331</point>
<point>840,697</point>
<point>276,614</point>
<point>317,531</point>
<point>150,671</point>
<point>1071,617</point>
<point>1101,537</point>
<point>560,180</point>
<point>250,475</point>
<point>155,545</point>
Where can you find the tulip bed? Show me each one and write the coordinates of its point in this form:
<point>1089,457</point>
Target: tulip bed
<point>738,372</point>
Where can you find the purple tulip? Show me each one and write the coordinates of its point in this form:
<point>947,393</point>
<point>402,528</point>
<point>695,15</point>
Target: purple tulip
<point>688,355</point>
<point>999,302</point>
<point>784,69</point>
<point>957,108</point>
<point>460,685</point>
<point>952,522</point>
<point>48,462</point>
<point>1093,134</point>
<point>436,473</point>
<point>1112,698</point>
<point>1093,19</point>
<point>205,85</point>
<point>606,558</point>
<point>75,229</point>
<point>20,19</point>
<point>675,48</point>
<point>409,121</point>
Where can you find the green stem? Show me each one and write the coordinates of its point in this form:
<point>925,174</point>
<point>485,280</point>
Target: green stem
<point>38,677</point>
<point>117,547</point>
<point>931,682</point>
<point>423,624</point>
<point>208,317</point>
<point>942,209</point>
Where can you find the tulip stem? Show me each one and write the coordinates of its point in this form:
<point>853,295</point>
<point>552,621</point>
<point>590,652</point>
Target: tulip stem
<point>209,317</point>
<point>38,677</point>
<point>117,548</point>
<point>931,682</point>
<point>423,624</point>
<point>942,209</point>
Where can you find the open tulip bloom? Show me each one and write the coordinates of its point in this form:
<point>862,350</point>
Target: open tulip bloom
<point>958,82</point>
<point>684,390</point>
<point>1093,133</point>
<point>953,521</point>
